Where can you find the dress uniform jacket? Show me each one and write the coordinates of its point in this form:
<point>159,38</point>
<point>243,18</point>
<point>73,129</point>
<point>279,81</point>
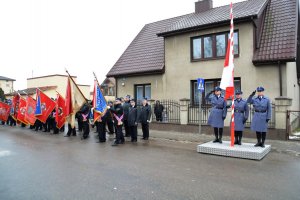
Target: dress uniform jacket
<point>262,112</point>
<point>241,114</point>
<point>132,116</point>
<point>218,110</point>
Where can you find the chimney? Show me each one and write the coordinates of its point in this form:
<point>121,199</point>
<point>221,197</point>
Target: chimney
<point>203,5</point>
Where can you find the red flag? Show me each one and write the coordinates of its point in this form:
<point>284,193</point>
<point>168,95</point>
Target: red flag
<point>47,106</point>
<point>227,82</point>
<point>60,116</point>
<point>22,111</point>
<point>15,106</point>
<point>4,111</point>
<point>30,109</point>
<point>68,100</point>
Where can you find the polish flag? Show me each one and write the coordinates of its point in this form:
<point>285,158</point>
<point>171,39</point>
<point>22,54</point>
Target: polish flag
<point>227,82</point>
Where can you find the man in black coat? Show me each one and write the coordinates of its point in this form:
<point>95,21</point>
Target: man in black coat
<point>126,106</point>
<point>133,120</point>
<point>144,118</point>
<point>85,113</point>
<point>118,114</point>
<point>158,110</point>
<point>109,120</point>
<point>101,122</point>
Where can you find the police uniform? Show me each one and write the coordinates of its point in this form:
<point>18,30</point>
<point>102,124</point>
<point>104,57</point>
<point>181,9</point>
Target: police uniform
<point>241,114</point>
<point>118,114</point>
<point>85,112</point>
<point>218,113</point>
<point>262,115</point>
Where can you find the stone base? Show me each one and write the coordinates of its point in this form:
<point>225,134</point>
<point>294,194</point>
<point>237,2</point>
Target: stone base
<point>246,150</point>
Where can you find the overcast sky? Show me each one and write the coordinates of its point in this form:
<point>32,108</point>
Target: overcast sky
<point>42,37</point>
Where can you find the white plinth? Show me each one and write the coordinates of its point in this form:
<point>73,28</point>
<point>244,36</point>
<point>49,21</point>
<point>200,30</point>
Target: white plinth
<point>246,150</point>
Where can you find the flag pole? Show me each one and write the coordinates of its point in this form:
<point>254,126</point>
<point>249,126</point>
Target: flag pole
<point>76,85</point>
<point>99,86</point>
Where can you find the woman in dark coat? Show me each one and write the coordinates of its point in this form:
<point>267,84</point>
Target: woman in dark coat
<point>118,114</point>
<point>241,114</point>
<point>133,120</point>
<point>218,112</point>
<point>144,118</point>
<point>262,115</point>
<point>158,110</point>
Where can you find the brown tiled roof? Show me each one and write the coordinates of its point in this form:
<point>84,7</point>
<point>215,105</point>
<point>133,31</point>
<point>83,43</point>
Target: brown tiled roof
<point>279,34</point>
<point>216,16</point>
<point>31,91</point>
<point>145,54</point>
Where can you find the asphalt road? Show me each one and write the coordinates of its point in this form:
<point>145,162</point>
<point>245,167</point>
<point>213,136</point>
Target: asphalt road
<point>45,166</point>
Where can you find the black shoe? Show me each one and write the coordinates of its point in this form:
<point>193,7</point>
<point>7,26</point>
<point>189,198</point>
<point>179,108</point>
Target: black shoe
<point>236,142</point>
<point>66,136</point>
<point>216,140</point>
<point>74,135</point>
<point>257,144</point>
<point>262,145</point>
<point>239,143</point>
<point>115,144</point>
<point>220,141</point>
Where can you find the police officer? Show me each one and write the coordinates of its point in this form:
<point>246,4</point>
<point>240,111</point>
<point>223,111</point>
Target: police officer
<point>118,114</point>
<point>144,118</point>
<point>241,114</point>
<point>262,115</point>
<point>101,127</point>
<point>218,112</point>
<point>126,106</point>
<point>85,113</point>
<point>133,120</point>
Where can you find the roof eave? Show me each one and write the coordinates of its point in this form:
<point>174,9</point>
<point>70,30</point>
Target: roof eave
<point>206,26</point>
<point>153,72</point>
<point>272,61</point>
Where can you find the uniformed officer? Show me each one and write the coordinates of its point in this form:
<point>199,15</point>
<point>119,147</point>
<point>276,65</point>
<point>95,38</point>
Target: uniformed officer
<point>144,118</point>
<point>262,115</point>
<point>118,114</point>
<point>241,114</point>
<point>133,120</point>
<point>109,120</point>
<point>101,127</point>
<point>126,106</point>
<point>85,113</point>
<point>218,112</point>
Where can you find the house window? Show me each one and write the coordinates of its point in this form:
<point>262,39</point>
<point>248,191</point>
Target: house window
<point>141,91</point>
<point>209,85</point>
<point>212,46</point>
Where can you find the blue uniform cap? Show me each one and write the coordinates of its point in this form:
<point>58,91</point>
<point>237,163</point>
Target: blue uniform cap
<point>118,99</point>
<point>260,89</point>
<point>145,98</point>
<point>218,88</point>
<point>238,92</point>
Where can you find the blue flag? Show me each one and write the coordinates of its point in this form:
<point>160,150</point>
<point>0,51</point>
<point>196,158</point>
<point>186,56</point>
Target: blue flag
<point>38,107</point>
<point>99,102</point>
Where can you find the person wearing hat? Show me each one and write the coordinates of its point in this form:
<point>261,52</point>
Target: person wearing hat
<point>109,120</point>
<point>133,120</point>
<point>126,106</point>
<point>218,112</point>
<point>118,116</point>
<point>85,113</point>
<point>262,115</point>
<point>241,114</point>
<point>144,118</point>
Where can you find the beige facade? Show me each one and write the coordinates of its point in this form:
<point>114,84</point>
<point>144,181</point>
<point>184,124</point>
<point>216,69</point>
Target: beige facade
<point>7,86</point>
<point>56,80</point>
<point>175,83</point>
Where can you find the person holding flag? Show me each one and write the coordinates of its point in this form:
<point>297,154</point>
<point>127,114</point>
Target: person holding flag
<point>218,112</point>
<point>118,114</point>
<point>241,114</point>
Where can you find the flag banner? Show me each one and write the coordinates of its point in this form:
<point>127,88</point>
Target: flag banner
<point>74,101</point>
<point>44,106</point>
<point>4,111</point>
<point>60,111</point>
<point>30,110</point>
<point>227,81</point>
<point>15,107</point>
<point>22,111</point>
<point>99,102</point>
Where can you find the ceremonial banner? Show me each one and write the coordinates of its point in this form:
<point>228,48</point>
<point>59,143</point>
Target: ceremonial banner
<point>22,111</point>
<point>4,111</point>
<point>227,82</point>
<point>60,116</point>
<point>99,102</point>
<point>15,107</point>
<point>74,101</point>
<point>30,110</point>
<point>44,106</point>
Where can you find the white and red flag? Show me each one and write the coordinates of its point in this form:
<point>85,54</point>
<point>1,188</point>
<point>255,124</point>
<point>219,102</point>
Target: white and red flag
<point>227,82</point>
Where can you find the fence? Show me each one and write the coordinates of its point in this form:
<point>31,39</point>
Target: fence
<point>293,125</point>
<point>171,112</point>
<point>193,115</point>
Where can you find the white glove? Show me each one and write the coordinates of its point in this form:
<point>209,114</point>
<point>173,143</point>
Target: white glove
<point>108,107</point>
<point>148,121</point>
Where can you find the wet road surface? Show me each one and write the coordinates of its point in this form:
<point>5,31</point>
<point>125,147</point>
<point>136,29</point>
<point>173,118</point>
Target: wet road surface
<point>45,166</point>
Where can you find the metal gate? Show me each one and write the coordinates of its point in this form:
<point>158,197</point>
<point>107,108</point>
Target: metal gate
<point>171,112</point>
<point>293,125</point>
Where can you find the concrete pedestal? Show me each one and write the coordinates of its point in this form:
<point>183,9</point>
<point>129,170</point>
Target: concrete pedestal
<point>246,150</point>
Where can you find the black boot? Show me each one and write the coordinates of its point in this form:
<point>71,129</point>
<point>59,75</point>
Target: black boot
<point>236,140</point>
<point>258,136</point>
<point>240,135</point>
<point>220,135</point>
<point>262,144</point>
<point>216,135</point>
